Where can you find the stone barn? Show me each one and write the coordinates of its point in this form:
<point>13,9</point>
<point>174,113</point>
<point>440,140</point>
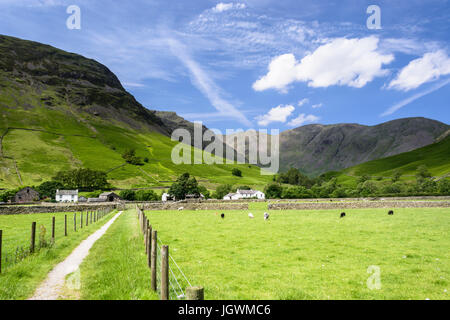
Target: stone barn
<point>26,195</point>
<point>109,197</point>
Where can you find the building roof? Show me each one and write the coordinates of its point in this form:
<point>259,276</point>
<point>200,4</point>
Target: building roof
<point>231,194</point>
<point>247,191</point>
<point>66,192</point>
<point>105,194</point>
<point>95,200</point>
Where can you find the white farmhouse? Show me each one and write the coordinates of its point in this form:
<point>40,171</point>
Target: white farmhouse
<point>245,194</point>
<point>167,197</point>
<point>66,195</point>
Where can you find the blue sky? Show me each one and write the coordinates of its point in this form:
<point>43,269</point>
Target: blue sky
<point>259,63</point>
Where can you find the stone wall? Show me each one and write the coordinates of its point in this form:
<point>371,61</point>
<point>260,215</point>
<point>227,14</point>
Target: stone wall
<point>195,206</point>
<point>358,205</point>
<point>53,208</point>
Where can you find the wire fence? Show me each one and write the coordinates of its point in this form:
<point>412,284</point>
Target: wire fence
<point>18,241</point>
<point>178,283</point>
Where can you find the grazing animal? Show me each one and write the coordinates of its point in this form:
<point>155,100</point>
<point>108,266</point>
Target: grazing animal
<point>391,212</point>
<point>180,208</point>
<point>222,215</point>
<point>342,214</point>
<point>266,216</point>
<point>250,215</point>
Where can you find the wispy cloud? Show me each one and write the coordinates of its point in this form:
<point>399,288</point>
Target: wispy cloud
<point>205,84</point>
<point>302,119</point>
<point>413,98</point>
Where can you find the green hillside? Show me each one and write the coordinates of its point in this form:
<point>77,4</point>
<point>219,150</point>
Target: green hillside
<point>60,111</point>
<point>436,157</point>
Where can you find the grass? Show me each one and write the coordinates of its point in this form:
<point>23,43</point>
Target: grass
<point>311,255</point>
<point>116,268</point>
<point>18,281</point>
<point>434,157</point>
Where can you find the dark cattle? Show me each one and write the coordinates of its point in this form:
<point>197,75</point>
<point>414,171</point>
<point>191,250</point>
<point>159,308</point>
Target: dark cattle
<point>391,212</point>
<point>222,215</point>
<point>342,214</point>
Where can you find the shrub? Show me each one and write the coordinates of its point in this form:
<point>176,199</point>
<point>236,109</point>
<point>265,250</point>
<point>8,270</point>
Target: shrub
<point>236,172</point>
<point>222,191</point>
<point>273,191</point>
<point>128,195</point>
<point>146,195</point>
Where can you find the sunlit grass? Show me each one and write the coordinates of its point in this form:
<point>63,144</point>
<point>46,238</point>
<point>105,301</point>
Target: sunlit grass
<point>311,254</point>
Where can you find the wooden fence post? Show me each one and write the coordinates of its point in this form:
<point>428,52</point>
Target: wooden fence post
<point>195,293</point>
<point>87,218</point>
<point>53,229</point>
<point>154,258</point>
<point>33,237</point>
<point>149,244</point>
<point>81,221</point>
<point>165,272</point>
<point>1,236</point>
<point>65,225</point>
<point>75,222</point>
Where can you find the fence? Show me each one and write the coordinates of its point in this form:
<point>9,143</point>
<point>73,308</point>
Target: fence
<point>164,270</point>
<point>41,238</point>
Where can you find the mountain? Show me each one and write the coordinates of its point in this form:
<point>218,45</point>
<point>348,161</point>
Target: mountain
<point>59,110</point>
<point>315,149</point>
<point>436,157</point>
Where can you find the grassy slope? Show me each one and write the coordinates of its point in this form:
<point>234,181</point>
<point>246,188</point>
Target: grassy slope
<point>435,156</point>
<point>40,155</point>
<point>20,280</point>
<point>116,268</point>
<point>311,255</point>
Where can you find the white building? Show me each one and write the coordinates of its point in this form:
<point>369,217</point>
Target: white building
<point>245,194</point>
<point>66,195</point>
<point>167,197</point>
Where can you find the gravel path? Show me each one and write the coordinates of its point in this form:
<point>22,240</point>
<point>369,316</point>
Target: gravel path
<point>51,288</point>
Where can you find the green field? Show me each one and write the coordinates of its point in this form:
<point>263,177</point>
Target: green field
<point>435,157</point>
<point>116,268</point>
<point>20,278</point>
<point>311,255</point>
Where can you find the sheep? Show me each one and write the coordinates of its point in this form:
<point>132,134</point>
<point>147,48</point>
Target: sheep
<point>342,214</point>
<point>222,215</point>
<point>391,212</point>
<point>180,208</point>
<point>250,215</point>
<point>266,216</point>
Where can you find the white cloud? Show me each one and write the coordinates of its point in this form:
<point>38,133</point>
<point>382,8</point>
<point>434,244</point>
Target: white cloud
<point>205,84</point>
<point>221,7</point>
<point>350,62</point>
<point>316,106</point>
<point>409,100</point>
<point>277,114</point>
<point>303,102</point>
<point>430,67</point>
<point>302,119</point>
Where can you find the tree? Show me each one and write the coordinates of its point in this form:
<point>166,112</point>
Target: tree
<point>296,192</point>
<point>128,195</point>
<point>236,172</point>
<point>363,178</point>
<point>422,172</point>
<point>396,176</point>
<point>368,188</point>
<point>223,190</point>
<point>273,191</point>
<point>183,186</point>
<point>146,195</point>
<point>130,157</point>
<point>205,192</point>
<point>444,186</point>
<point>243,188</point>
<point>82,179</point>
<point>48,189</point>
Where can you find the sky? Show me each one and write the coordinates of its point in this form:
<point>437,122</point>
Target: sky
<point>260,64</point>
